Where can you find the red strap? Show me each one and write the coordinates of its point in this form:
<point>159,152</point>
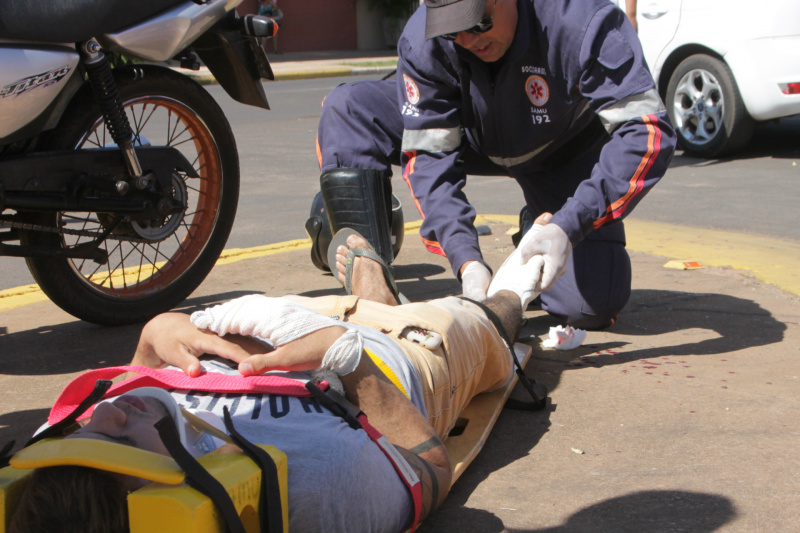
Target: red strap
<point>409,478</point>
<point>80,387</point>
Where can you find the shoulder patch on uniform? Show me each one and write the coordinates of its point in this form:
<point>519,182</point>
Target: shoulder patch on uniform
<point>537,90</point>
<point>412,91</point>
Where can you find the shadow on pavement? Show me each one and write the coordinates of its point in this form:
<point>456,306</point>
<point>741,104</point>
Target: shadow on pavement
<point>711,323</point>
<point>77,346</point>
<point>20,425</point>
<point>736,324</point>
<point>654,511</point>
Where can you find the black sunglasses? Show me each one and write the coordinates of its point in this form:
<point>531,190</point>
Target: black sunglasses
<point>485,24</point>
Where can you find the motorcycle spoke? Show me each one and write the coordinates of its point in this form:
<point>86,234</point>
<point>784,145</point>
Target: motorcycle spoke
<point>176,144</point>
<point>175,134</point>
<point>140,121</point>
<point>171,128</point>
<point>97,143</point>
<point>189,228</point>
<point>194,189</point>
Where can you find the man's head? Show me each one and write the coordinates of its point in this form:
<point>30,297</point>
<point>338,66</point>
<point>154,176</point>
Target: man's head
<point>71,499</point>
<point>83,499</point>
<point>485,28</point>
<point>128,420</point>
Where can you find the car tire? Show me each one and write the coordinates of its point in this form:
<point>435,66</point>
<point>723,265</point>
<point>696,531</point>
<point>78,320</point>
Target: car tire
<point>706,109</point>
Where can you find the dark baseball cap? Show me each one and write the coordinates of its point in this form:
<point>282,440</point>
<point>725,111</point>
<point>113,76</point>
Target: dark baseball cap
<point>451,16</point>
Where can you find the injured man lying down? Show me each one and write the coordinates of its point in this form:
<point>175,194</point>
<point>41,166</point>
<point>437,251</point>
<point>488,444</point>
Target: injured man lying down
<point>349,388</point>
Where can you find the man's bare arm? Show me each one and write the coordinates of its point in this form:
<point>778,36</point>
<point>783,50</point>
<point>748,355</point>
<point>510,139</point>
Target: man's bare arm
<point>401,422</point>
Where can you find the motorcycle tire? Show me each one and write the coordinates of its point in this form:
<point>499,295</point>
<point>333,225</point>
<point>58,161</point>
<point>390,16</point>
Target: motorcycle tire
<point>173,255</point>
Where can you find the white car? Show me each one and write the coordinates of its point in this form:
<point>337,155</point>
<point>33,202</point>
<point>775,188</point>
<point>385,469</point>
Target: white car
<point>721,66</point>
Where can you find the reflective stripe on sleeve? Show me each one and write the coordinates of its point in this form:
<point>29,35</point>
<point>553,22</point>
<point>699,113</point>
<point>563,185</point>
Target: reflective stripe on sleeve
<point>636,183</point>
<point>646,103</point>
<point>508,162</point>
<point>432,140</point>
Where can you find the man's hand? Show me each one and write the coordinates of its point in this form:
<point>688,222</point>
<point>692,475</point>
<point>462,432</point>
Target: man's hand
<point>475,279</point>
<point>171,339</point>
<point>555,248</point>
<point>305,353</point>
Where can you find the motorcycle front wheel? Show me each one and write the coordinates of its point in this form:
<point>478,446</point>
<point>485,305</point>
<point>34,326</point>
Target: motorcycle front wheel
<point>151,266</point>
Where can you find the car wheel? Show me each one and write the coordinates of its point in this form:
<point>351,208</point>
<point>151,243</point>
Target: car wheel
<point>706,108</point>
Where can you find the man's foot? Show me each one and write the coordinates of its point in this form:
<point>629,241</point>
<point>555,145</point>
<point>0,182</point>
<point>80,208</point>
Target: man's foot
<point>367,279</point>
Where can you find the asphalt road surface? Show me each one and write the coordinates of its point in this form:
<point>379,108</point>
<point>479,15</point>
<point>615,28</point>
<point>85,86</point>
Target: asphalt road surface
<point>755,192</point>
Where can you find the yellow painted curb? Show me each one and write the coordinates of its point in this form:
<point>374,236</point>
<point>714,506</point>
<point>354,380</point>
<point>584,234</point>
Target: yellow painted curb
<point>772,261</point>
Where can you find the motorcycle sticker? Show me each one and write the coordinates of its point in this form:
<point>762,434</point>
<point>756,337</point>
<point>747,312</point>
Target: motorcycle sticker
<point>31,82</point>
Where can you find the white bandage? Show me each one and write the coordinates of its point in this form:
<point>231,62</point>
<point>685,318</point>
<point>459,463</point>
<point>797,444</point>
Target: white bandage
<point>275,320</point>
<point>344,355</point>
<point>564,338</point>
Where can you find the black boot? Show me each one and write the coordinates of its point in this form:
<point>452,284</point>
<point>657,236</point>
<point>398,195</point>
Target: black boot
<point>360,199</point>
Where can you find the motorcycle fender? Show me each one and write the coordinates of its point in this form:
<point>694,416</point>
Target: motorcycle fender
<point>238,63</point>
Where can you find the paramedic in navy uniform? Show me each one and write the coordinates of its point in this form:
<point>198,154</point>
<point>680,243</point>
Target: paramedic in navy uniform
<point>553,93</point>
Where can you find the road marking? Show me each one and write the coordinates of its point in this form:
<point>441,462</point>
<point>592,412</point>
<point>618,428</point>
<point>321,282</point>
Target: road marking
<point>772,261</point>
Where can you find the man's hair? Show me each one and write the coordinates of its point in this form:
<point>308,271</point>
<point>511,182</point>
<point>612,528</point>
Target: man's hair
<point>71,499</point>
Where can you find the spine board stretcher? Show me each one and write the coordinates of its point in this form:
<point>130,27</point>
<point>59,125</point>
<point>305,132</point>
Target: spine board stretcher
<point>478,418</point>
<point>159,507</point>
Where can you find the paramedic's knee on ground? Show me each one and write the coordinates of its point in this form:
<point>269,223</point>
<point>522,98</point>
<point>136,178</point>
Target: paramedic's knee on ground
<point>595,287</point>
<point>597,283</point>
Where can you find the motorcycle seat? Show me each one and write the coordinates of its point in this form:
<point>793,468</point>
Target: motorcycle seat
<point>73,20</point>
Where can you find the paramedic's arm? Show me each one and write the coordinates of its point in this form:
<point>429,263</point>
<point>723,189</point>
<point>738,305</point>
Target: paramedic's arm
<point>396,417</point>
<point>431,148</point>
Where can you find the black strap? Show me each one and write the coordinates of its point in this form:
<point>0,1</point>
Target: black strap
<point>536,389</point>
<point>5,454</point>
<point>269,503</point>
<point>198,477</point>
<point>336,404</point>
<point>101,386</point>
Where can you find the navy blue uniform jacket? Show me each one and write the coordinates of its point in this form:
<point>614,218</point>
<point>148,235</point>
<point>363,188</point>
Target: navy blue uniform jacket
<point>573,77</point>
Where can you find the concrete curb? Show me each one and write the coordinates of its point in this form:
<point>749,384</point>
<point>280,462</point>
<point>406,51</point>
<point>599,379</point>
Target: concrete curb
<point>204,77</point>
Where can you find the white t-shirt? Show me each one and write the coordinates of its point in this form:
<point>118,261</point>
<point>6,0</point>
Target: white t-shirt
<point>339,480</point>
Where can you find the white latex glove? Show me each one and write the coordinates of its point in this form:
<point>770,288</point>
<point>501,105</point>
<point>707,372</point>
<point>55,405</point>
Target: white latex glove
<point>553,245</point>
<point>475,281</point>
<point>275,320</point>
<point>521,278</point>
